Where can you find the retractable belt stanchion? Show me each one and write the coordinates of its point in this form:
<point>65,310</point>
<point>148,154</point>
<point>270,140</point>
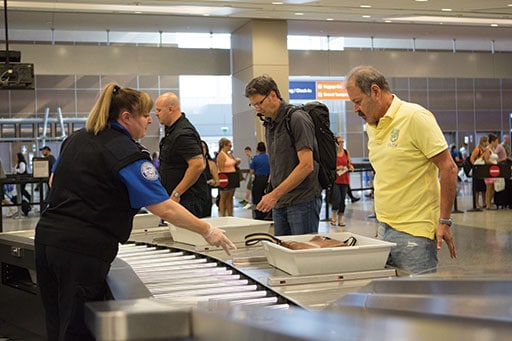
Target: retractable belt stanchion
<point>501,170</point>
<point>18,181</point>
<point>455,206</point>
<point>473,194</point>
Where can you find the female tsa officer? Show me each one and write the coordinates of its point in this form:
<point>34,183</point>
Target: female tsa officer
<point>101,179</point>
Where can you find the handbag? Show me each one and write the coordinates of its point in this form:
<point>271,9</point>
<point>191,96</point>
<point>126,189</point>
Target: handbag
<point>241,176</point>
<point>499,184</point>
<point>317,242</point>
<point>467,166</point>
<point>479,161</point>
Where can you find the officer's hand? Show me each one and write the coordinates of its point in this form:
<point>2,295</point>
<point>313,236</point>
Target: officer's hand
<point>216,237</point>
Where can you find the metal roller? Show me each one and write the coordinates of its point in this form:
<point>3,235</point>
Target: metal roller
<point>150,255</point>
<point>185,275</point>
<point>180,289</point>
<point>177,267</point>
<point>130,249</point>
<point>167,262</point>
<point>193,300</point>
<point>188,278</point>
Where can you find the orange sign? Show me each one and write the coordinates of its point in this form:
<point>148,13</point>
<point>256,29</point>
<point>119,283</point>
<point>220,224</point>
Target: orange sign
<point>329,90</point>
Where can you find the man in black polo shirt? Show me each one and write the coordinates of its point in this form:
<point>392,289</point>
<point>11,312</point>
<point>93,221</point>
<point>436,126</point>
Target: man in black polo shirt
<point>295,200</point>
<point>181,156</point>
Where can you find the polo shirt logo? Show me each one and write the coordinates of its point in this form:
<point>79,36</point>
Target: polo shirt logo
<point>393,137</point>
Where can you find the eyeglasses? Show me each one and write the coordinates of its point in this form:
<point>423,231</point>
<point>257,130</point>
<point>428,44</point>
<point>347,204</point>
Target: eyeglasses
<point>259,103</point>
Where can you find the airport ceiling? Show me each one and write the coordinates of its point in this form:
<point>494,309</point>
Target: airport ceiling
<point>453,19</point>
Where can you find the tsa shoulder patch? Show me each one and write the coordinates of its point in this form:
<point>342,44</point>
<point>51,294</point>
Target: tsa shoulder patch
<point>148,171</point>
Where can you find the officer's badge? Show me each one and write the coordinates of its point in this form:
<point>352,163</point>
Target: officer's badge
<point>148,171</point>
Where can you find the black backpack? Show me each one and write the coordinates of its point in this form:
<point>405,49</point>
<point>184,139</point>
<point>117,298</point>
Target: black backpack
<point>325,139</point>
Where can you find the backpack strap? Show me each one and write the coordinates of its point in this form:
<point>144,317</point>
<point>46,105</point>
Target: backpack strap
<point>287,120</point>
<point>290,109</point>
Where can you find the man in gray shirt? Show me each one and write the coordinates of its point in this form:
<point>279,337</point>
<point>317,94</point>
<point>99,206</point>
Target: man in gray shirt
<point>295,200</point>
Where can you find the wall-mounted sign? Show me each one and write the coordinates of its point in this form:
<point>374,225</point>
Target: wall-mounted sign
<point>318,90</point>
<point>302,90</point>
<point>330,90</point>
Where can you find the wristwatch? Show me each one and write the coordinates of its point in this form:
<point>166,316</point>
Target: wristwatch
<point>176,194</point>
<point>448,222</point>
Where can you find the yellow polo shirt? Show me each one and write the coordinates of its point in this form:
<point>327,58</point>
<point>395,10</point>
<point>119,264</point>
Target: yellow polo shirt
<point>407,190</point>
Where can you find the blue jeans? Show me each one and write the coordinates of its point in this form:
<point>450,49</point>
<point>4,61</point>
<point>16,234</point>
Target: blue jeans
<point>413,254</point>
<point>297,219</point>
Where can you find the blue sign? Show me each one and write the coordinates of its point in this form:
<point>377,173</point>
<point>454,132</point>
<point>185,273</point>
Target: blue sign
<point>301,90</point>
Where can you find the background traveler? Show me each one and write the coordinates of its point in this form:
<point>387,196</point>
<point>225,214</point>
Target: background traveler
<point>226,163</point>
<point>490,158</point>
<point>181,157</point>
<point>248,180</point>
<point>155,157</point>
<point>341,184</point>
<point>506,145</point>
<point>21,168</point>
<point>464,151</point>
<point>260,171</point>
<point>477,156</point>
<point>212,177</point>
<point>47,153</point>
<point>502,152</point>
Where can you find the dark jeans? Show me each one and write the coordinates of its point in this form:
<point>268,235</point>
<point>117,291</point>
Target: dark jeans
<point>66,281</point>
<point>297,219</point>
<point>257,191</point>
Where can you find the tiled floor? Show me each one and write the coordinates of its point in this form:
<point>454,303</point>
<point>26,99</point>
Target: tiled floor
<point>483,239</point>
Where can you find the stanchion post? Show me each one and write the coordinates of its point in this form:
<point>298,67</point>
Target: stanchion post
<point>327,195</point>
<point>473,192</point>
<point>455,207</point>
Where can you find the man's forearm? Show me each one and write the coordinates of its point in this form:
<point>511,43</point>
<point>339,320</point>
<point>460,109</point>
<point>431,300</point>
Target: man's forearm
<point>193,172</point>
<point>448,190</point>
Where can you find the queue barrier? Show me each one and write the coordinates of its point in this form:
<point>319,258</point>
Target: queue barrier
<point>18,180</point>
<point>500,170</point>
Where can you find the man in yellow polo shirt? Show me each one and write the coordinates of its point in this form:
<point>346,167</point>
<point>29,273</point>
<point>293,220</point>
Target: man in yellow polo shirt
<point>415,176</point>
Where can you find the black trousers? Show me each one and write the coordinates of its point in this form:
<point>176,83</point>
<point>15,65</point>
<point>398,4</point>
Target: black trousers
<point>196,205</point>
<point>24,192</point>
<point>257,191</point>
<point>338,195</point>
<point>66,281</point>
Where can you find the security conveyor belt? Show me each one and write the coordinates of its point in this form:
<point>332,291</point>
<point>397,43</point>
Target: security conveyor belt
<point>310,292</point>
<point>165,291</point>
<point>184,277</point>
